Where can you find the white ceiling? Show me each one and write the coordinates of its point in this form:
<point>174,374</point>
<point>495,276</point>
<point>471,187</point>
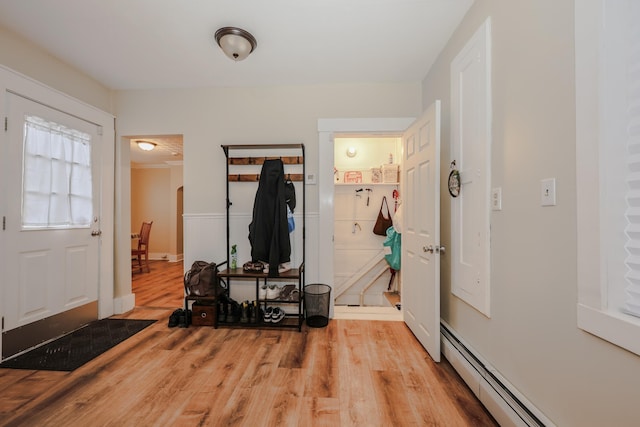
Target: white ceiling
<point>149,44</point>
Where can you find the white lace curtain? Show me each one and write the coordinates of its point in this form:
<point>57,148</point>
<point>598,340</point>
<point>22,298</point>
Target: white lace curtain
<point>56,185</point>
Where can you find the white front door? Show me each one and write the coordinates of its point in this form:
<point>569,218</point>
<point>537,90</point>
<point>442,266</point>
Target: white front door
<point>421,229</point>
<point>50,268</point>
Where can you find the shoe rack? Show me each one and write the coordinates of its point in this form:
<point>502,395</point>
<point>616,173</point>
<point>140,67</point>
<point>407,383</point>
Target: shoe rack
<point>245,155</point>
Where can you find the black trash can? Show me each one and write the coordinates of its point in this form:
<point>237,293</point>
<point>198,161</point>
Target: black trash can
<point>317,300</point>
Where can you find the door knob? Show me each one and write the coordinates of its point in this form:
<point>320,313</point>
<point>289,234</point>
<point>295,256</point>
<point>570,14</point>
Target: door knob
<point>96,232</point>
<point>427,249</point>
<point>440,250</point>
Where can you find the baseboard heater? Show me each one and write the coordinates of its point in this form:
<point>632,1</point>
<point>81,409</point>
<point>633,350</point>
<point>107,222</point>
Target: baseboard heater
<point>502,400</point>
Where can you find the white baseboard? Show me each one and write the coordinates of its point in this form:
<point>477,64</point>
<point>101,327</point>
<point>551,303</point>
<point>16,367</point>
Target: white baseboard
<point>124,303</point>
<point>506,404</point>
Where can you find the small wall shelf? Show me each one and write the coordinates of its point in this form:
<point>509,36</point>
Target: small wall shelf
<point>366,184</point>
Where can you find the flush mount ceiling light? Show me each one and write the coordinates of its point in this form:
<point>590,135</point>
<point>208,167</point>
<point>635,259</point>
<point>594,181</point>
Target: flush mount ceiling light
<point>352,151</point>
<point>236,43</point>
<point>146,145</point>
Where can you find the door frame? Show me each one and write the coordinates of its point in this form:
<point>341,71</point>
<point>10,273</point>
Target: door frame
<point>327,129</point>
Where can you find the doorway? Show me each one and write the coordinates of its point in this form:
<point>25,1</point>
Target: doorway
<point>57,265</point>
<point>366,181</point>
<point>156,193</point>
<point>328,131</point>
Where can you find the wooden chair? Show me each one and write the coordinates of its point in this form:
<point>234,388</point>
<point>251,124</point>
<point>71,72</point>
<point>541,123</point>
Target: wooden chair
<point>143,246</point>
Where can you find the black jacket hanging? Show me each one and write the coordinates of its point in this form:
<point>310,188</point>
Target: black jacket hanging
<point>268,231</point>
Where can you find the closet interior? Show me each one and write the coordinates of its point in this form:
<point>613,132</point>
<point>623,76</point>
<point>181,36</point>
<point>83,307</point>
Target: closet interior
<point>366,172</point>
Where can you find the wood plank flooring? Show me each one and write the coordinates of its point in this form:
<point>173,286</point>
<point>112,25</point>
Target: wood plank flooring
<point>351,373</point>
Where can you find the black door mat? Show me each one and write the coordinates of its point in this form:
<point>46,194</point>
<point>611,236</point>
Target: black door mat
<point>78,347</point>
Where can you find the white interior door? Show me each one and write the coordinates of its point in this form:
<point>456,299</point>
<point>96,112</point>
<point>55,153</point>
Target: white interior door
<point>53,268</point>
<point>421,229</point>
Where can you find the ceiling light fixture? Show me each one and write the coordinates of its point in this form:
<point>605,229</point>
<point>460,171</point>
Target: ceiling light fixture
<point>146,145</point>
<point>352,151</point>
<point>236,43</point>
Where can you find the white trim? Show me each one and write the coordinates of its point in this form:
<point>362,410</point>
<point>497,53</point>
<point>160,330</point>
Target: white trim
<point>621,330</point>
<point>471,71</point>
<point>594,313</point>
<point>124,303</point>
<point>489,386</point>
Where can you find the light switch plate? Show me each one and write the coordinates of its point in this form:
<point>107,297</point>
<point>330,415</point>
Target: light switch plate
<point>310,178</point>
<point>496,199</point>
<point>548,192</point>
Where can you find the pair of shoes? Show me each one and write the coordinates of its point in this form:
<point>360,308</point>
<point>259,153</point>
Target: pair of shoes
<point>268,292</point>
<point>286,291</point>
<point>273,315</point>
<point>294,295</point>
<point>229,310</point>
<point>184,318</point>
<point>233,312</point>
<point>174,319</point>
<point>253,267</point>
<point>282,268</point>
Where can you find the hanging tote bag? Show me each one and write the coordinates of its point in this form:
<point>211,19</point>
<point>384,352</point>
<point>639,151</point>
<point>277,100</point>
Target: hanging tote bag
<point>393,245</point>
<point>382,223</point>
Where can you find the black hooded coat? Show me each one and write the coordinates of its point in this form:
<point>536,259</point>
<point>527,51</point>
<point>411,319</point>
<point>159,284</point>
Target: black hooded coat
<point>268,231</point>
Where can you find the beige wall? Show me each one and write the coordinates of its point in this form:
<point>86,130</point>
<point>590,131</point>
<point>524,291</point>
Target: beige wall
<point>150,201</point>
<point>531,338</point>
<point>210,117</point>
<point>154,197</point>
<point>26,58</point>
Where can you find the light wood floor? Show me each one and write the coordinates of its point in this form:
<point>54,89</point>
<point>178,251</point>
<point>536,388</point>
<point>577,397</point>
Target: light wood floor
<point>351,373</point>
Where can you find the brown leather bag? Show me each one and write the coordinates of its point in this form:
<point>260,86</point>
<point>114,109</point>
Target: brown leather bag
<point>202,280</point>
<point>382,223</point>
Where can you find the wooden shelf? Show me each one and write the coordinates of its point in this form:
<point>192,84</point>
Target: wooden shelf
<point>246,161</point>
<point>365,184</point>
<point>239,273</point>
<point>255,177</point>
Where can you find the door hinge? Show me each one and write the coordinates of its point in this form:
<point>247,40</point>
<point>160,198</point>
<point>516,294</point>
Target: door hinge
<point>4,223</point>
<point>6,123</point>
<point>3,323</point>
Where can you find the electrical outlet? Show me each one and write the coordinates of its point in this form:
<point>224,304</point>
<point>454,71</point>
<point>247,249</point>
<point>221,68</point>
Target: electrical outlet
<point>496,199</point>
<point>548,192</point>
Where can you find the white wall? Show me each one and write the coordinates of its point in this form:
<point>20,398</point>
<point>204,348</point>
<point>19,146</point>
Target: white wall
<point>532,337</point>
